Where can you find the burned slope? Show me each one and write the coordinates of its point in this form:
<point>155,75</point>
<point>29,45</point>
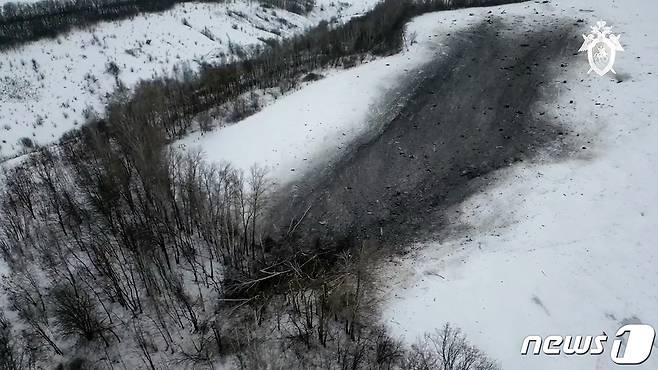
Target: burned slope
<point>472,116</point>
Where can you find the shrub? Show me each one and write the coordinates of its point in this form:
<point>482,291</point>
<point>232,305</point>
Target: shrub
<point>112,68</point>
<point>26,142</point>
<point>76,313</point>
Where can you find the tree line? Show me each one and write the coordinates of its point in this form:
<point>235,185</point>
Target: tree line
<point>22,22</point>
<point>174,102</point>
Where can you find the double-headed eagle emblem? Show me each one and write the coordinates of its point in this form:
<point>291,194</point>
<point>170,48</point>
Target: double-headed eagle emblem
<point>601,46</point>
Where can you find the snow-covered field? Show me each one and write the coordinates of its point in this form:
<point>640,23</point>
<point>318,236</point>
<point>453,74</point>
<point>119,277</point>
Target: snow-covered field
<point>47,87</point>
<point>306,129</point>
<point>566,248</point>
<point>555,247</point>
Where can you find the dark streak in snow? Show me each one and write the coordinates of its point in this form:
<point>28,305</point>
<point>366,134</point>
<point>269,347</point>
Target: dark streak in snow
<point>472,114</point>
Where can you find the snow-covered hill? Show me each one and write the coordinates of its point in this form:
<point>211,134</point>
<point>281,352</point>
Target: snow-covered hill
<point>306,129</point>
<point>559,246</point>
<point>49,86</point>
<point>556,248</point>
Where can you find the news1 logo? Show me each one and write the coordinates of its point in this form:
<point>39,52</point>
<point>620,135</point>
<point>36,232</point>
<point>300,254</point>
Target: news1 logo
<point>637,347</point>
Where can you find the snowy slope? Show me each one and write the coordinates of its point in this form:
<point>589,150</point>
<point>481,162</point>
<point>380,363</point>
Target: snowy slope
<point>554,247</point>
<point>557,248</point>
<point>307,129</point>
<point>46,86</point>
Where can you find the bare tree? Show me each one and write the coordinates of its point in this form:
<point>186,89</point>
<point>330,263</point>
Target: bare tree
<point>447,349</point>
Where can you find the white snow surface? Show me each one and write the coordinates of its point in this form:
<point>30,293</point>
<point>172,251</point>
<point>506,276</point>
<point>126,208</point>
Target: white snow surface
<point>3,2</point>
<point>556,248</point>
<point>46,85</point>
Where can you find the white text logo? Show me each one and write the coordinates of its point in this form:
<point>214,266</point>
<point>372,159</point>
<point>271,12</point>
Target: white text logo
<point>636,347</point>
